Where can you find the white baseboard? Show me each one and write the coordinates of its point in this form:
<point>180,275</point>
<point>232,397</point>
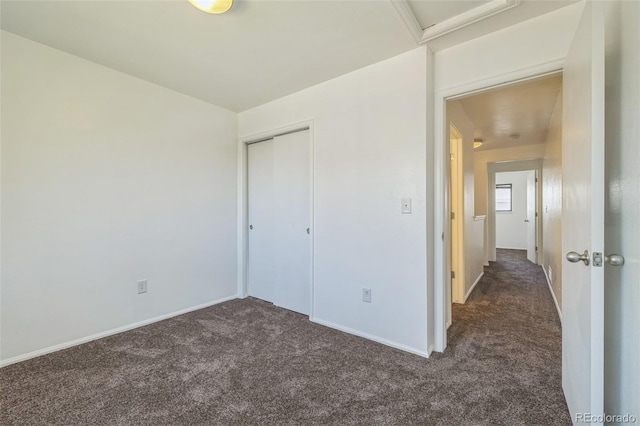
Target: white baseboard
<point>553,295</point>
<point>475,283</point>
<point>76,342</point>
<point>371,337</point>
<point>511,248</point>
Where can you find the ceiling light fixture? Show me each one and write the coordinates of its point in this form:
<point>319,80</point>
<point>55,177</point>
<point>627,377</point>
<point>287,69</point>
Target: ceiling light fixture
<point>212,6</point>
<point>477,142</point>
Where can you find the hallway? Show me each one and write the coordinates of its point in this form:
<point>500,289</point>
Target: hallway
<point>509,333</point>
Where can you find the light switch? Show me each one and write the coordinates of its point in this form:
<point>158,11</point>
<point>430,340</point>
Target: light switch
<point>405,207</point>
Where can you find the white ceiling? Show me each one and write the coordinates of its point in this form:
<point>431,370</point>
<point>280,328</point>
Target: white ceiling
<point>259,51</point>
<point>431,12</point>
<point>523,109</point>
<point>526,9</point>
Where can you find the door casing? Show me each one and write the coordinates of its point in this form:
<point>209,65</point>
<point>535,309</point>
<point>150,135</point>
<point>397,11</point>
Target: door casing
<point>511,166</point>
<point>442,213</point>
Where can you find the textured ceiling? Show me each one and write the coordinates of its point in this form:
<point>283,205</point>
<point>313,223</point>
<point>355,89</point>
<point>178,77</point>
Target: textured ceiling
<point>259,51</point>
<point>523,109</point>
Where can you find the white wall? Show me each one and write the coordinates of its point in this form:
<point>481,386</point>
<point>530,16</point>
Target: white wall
<point>531,43</point>
<point>107,179</point>
<point>552,256</point>
<point>622,230</point>
<point>369,152</point>
<point>473,238</point>
<point>511,229</point>
<point>475,253</point>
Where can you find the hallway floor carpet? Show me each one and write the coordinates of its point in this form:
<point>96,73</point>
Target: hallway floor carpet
<point>248,362</point>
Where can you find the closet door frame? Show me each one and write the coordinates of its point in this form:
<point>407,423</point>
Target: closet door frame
<point>243,204</point>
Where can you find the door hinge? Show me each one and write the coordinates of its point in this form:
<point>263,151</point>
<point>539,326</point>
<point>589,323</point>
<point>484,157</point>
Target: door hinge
<point>536,214</point>
<point>453,215</point>
<point>453,274</point>
<point>536,180</point>
<point>536,248</point>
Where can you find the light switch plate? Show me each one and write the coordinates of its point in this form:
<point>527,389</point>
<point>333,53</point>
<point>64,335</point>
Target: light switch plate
<point>366,295</point>
<point>405,206</point>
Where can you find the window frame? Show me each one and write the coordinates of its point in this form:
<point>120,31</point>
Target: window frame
<point>504,186</point>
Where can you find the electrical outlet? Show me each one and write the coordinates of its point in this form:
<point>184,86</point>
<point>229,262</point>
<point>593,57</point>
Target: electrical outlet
<point>142,286</point>
<point>366,295</point>
<point>405,206</point>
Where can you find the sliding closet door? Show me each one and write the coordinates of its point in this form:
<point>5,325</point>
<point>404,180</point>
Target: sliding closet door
<point>279,204</point>
<point>292,249</point>
<point>261,270</point>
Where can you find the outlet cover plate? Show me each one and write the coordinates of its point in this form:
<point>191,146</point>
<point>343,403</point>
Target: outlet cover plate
<point>366,295</point>
<point>405,206</point>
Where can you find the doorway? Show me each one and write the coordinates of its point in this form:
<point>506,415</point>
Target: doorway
<point>526,221</point>
<point>485,117</point>
<point>456,287</point>
<point>516,204</point>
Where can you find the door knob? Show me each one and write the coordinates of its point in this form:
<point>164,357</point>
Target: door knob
<point>574,257</point>
<point>614,259</point>
<point>526,220</point>
<point>250,226</point>
<point>308,231</point>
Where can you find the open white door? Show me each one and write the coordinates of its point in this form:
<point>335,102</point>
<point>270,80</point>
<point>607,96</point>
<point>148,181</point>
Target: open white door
<point>583,217</point>
<point>532,249</point>
<point>457,273</point>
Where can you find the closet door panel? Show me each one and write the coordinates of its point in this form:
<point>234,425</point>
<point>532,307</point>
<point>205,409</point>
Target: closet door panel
<point>292,248</point>
<point>261,214</point>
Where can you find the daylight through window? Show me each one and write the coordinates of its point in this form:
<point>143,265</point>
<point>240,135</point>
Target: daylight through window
<point>503,197</point>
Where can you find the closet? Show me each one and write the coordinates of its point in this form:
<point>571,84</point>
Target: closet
<point>279,218</point>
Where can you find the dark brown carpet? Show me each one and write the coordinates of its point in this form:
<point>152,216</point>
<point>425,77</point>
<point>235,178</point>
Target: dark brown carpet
<point>248,362</point>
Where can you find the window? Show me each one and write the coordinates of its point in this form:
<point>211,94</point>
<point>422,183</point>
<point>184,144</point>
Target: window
<point>503,197</point>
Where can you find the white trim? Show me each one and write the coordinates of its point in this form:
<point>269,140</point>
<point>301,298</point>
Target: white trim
<point>243,242</point>
<point>242,220</point>
<point>466,296</point>
<point>522,75</point>
<point>441,185</point>
<point>371,337</point>
<point>512,248</point>
<point>409,19</point>
<point>111,332</point>
<point>467,18</point>
<point>553,295</point>
<point>479,13</point>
